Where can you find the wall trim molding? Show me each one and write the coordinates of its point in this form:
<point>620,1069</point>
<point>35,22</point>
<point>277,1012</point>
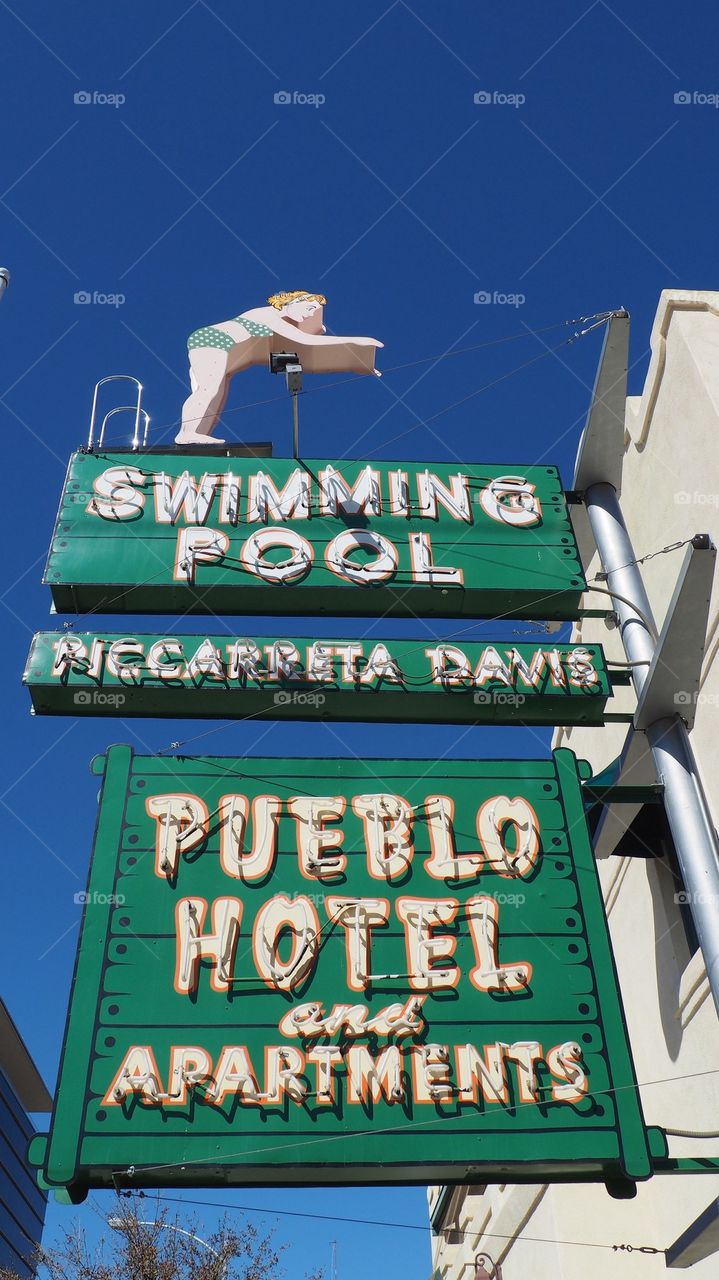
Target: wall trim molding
<point>638,420</point>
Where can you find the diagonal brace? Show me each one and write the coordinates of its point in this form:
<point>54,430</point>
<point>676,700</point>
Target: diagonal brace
<point>672,682</point>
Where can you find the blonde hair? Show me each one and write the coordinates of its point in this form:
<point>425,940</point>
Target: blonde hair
<point>280,300</point>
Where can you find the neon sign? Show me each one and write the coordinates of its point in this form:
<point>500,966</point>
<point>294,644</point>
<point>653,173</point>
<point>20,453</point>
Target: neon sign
<point>238,536</point>
<point>371,970</point>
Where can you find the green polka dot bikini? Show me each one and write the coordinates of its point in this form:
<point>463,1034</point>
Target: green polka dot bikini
<point>211,337</point>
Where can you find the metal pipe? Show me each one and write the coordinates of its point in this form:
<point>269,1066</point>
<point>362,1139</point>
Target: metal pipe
<point>687,810</point>
<point>295,425</point>
<point>624,579</point>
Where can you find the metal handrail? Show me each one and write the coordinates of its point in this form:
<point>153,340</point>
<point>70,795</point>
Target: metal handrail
<point>118,377</point>
<point>124,408</point>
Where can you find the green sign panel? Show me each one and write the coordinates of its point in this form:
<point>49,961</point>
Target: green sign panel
<point>303,678</point>
<point>339,970</point>
<point>182,533</point>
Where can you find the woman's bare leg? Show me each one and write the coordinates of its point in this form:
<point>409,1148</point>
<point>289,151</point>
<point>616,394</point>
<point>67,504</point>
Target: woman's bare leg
<point>209,380</point>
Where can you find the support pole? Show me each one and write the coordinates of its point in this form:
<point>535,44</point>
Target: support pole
<point>295,425</point>
<point>693,832</point>
<point>287,362</point>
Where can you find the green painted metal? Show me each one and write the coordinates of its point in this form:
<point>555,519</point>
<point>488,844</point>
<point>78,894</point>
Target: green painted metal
<point>140,563</point>
<point>688,1164</point>
<point>87,673</point>
<point>550,917</point>
<point>624,794</point>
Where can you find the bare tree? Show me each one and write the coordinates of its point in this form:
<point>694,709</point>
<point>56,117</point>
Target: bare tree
<point>161,1249</point>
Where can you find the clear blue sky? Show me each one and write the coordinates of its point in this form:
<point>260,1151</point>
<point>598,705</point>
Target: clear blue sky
<point>400,198</point>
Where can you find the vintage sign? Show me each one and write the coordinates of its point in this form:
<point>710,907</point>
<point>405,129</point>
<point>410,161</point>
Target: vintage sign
<point>178,533</point>
<point>84,673</point>
<point>291,321</point>
<point>363,971</point>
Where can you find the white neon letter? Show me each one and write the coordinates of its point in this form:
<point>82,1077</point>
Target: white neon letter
<point>182,822</point>
<point>420,917</point>
<point>313,839</point>
<point>198,546</point>
<point>371,1079</point>
<point>278,916</point>
<point>423,567</point>
<point>338,553</point>
<point>295,567</point>
<point>234,1074</point>
<point>193,946</point>
<point>511,500</point>
<point>358,917</point>
<point>336,495</point>
<point>494,818</point>
<point>165,649</point>
<point>485,1069</point>
<point>183,498</point>
<point>285,1065</point>
<point>116,497</point>
<point>120,649</point>
<point>235,859</point>
<point>565,1061</point>
<point>458,673</point>
<point>445,863</point>
<point>388,834</point>
<point>70,655</point>
<point>489,974</point>
<point>454,499</point>
<point>266,502</point>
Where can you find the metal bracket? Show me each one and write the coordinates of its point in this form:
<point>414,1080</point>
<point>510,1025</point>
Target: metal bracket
<point>672,682</point>
<point>632,771</point>
<point>699,1241</point>
<point>635,794</point>
<point>601,447</point>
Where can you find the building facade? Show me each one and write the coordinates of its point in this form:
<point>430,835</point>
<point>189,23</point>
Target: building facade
<point>670,491</point>
<point>22,1203</point>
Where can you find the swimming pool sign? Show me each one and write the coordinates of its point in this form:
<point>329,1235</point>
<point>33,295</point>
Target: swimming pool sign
<point>173,533</point>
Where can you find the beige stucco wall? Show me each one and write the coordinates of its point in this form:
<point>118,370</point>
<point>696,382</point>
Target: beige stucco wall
<point>670,491</point>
